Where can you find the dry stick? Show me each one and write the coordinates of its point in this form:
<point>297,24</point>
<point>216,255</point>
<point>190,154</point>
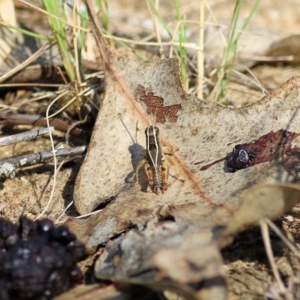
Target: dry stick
<point>109,68</point>
<point>24,136</point>
<point>26,62</point>
<point>289,243</point>
<point>44,85</point>
<point>266,239</point>
<point>8,166</point>
<point>38,120</point>
<point>252,83</point>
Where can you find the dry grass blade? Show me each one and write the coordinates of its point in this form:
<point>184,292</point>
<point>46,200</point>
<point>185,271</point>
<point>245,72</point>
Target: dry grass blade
<point>268,247</point>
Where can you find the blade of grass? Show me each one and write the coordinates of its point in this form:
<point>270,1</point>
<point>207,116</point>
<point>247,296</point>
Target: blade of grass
<point>233,42</point>
<point>230,51</point>
<point>156,27</point>
<point>61,38</point>
<point>181,49</point>
<point>27,32</point>
<point>104,9</point>
<point>160,18</point>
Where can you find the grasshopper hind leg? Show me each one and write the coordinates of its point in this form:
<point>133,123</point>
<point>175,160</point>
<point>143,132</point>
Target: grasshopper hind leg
<point>149,175</point>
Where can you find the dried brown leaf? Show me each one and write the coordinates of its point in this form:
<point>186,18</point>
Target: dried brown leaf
<point>133,258</point>
<point>287,46</point>
<point>193,263</point>
<point>259,202</point>
<point>203,132</point>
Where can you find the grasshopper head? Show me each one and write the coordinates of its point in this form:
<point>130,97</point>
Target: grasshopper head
<point>151,131</point>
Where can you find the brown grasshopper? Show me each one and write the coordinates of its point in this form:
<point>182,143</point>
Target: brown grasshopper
<point>155,162</point>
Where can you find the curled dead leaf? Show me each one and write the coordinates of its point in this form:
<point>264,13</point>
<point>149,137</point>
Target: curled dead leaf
<point>259,202</point>
<point>192,264</point>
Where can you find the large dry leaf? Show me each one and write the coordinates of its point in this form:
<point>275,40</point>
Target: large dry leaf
<point>201,131</point>
<point>205,196</point>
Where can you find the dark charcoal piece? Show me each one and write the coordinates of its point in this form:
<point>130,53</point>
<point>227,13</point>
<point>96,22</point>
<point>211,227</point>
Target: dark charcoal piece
<point>7,228</point>
<point>28,227</point>
<point>239,158</point>
<point>12,240</point>
<point>77,250</point>
<point>46,225</point>
<point>37,260</point>
<point>62,234</point>
<point>4,295</point>
<point>76,275</point>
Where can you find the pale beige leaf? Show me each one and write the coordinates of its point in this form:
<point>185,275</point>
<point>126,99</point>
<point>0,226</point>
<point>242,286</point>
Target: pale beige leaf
<point>259,202</point>
<point>207,193</point>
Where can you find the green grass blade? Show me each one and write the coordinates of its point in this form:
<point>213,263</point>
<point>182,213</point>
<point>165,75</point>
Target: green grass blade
<point>61,38</point>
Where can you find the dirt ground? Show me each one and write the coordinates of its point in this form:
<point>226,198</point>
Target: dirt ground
<point>246,265</point>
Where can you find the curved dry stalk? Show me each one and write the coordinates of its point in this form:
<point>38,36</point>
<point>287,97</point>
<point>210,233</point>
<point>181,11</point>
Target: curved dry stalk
<point>268,248</point>
<point>26,62</point>
<point>54,159</point>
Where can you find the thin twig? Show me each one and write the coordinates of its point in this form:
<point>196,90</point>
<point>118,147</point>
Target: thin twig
<point>24,136</point>
<point>266,239</point>
<point>43,85</point>
<point>63,212</point>
<point>290,244</point>
<point>8,166</point>
<point>38,120</point>
<point>56,170</point>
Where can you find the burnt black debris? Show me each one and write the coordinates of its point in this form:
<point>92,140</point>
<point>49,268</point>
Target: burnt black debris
<point>37,260</point>
<point>239,158</point>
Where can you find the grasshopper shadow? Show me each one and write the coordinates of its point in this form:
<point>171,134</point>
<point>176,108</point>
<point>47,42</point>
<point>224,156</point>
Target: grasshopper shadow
<point>136,154</point>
